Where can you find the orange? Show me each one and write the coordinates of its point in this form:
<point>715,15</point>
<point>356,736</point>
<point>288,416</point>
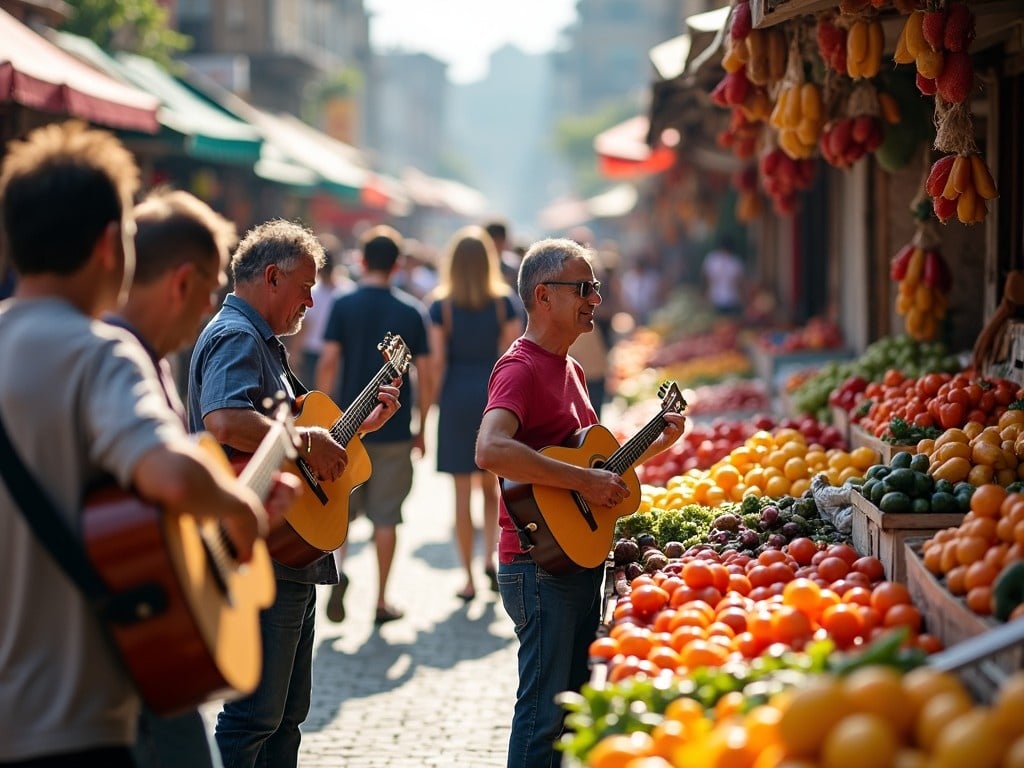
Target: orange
<point>861,740</point>
<point>809,714</point>
<point>936,715</point>
<point>684,710</point>
<point>804,595</point>
<point>922,684</point>
<point>843,623</point>
<point>987,499</point>
<point>603,648</point>
<point>777,487</point>
<point>886,594</point>
<point>616,750</point>
<point>878,690</point>
<point>971,739</point>
<point>1009,704</point>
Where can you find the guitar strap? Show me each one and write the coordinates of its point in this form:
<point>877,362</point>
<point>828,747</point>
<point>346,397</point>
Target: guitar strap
<point>136,604</point>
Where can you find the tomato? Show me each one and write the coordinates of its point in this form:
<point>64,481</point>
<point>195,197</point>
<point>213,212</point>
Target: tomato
<point>928,385</point>
<point>924,420</point>
<point>974,392</point>
<point>952,413</point>
<point>987,401</point>
<point>892,377</point>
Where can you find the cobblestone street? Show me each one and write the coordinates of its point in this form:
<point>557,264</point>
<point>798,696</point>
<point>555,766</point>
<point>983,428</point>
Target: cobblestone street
<point>433,689</point>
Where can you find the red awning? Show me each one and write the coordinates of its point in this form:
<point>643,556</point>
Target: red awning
<point>622,151</point>
<point>36,73</point>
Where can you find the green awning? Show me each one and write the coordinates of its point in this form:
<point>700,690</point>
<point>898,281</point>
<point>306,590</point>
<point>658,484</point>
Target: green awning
<point>207,132</point>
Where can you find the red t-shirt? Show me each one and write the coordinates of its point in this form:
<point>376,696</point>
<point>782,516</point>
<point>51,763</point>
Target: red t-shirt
<point>548,394</point>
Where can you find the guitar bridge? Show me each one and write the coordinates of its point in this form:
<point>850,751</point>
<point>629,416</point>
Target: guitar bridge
<point>312,482</point>
<point>584,510</point>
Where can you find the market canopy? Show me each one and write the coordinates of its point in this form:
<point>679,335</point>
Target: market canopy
<point>38,74</point>
<point>623,152</point>
<point>206,130</point>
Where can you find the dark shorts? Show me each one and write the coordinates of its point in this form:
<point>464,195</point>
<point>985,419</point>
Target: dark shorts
<point>381,497</point>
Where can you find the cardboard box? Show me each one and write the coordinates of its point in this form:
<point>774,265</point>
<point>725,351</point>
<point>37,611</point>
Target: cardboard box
<point>841,421</point>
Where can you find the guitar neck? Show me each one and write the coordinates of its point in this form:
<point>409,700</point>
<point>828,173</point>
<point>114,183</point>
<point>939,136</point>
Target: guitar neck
<point>258,473</point>
<point>345,428</point>
<point>630,452</point>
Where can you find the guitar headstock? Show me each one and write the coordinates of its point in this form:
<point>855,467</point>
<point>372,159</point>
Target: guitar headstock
<point>672,400</point>
<point>396,352</point>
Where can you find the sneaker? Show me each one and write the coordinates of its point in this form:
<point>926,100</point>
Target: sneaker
<point>336,603</point>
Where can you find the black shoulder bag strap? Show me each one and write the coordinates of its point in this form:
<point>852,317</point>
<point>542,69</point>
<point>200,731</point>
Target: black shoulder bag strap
<point>67,552</point>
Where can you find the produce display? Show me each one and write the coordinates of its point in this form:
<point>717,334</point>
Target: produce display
<point>707,443</point>
<point>907,484</point>
<point>902,353</point>
<point>816,334</point>
<point>771,464</point>
<point>934,401</point>
<point>972,557</point>
<point>795,712</point>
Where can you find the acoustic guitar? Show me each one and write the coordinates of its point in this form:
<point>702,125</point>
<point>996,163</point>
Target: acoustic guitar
<point>198,637</point>
<point>317,522</point>
<point>560,530</point>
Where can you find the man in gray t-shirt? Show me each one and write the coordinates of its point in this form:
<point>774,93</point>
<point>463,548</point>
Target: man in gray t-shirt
<point>81,401</point>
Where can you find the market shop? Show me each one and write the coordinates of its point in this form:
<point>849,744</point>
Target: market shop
<point>828,569</point>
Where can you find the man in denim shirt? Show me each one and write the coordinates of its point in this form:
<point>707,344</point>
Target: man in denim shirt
<point>238,362</point>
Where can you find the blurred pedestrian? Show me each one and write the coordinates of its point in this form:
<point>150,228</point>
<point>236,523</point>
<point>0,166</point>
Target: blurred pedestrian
<point>474,321</point>
<point>723,276</point>
<point>642,288</point>
<point>358,322</point>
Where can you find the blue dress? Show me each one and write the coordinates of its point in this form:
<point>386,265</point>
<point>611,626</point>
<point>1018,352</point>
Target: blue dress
<point>471,350</point>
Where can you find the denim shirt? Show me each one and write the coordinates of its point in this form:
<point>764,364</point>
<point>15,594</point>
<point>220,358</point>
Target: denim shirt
<point>238,362</point>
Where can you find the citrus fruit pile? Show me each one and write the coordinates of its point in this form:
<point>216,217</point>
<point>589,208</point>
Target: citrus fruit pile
<point>766,464</point>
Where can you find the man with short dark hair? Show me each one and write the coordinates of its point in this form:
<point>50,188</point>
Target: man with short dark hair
<point>181,247</point>
<point>358,323</point>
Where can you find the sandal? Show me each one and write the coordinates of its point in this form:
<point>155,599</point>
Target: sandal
<point>492,575</point>
<point>466,594</point>
<point>336,602</point>
<point>386,614</point>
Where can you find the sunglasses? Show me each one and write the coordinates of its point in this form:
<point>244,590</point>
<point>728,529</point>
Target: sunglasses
<point>584,287</point>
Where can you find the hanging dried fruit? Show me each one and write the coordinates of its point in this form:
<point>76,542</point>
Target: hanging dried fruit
<point>924,278</point>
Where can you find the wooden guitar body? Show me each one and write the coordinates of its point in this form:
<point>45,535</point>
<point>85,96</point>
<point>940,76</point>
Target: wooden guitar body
<point>203,639</point>
<point>317,522</point>
<point>569,534</point>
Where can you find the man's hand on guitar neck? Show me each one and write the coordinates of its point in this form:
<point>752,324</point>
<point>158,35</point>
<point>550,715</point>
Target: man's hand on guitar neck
<point>324,456</point>
<point>388,407</point>
<point>675,425</point>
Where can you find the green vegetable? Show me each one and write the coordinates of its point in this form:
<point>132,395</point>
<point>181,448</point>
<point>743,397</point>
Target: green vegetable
<point>1008,590</point>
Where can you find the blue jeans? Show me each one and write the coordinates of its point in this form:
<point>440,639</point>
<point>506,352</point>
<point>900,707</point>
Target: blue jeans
<point>166,742</point>
<point>555,619</point>
<point>262,729</point>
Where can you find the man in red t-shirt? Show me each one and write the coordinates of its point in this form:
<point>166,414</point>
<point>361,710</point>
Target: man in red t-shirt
<point>537,397</point>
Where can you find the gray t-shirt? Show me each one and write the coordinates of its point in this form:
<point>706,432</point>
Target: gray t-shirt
<point>80,400</point>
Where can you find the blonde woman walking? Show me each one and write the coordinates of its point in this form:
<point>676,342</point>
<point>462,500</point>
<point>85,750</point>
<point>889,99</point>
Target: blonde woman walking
<point>473,322</point>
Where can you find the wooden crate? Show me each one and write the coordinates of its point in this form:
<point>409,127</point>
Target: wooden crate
<point>859,438</point>
<point>841,421</point>
<point>883,534</point>
<point>948,618</point>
